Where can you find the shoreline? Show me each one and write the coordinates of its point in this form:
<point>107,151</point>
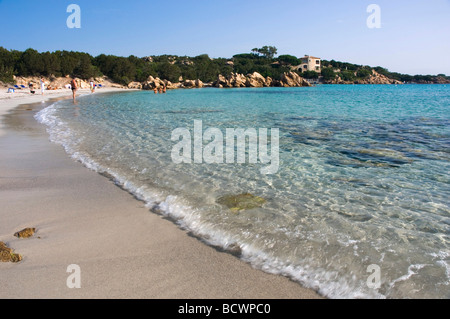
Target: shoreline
<point>10,101</point>
<point>123,249</point>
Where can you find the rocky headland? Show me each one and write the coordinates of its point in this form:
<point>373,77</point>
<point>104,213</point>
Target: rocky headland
<point>374,78</point>
<point>234,80</point>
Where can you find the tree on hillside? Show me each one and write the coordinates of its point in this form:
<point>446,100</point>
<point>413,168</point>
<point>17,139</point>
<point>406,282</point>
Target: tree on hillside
<point>52,64</point>
<point>246,56</point>
<point>266,51</point>
<point>84,68</point>
<point>144,71</point>
<point>310,75</point>
<point>328,74</point>
<point>205,68</point>
<point>31,63</point>
<point>119,69</point>
<point>363,73</point>
<point>8,60</point>
<point>347,75</point>
<point>288,60</point>
<point>68,62</point>
<point>381,70</point>
<point>169,72</point>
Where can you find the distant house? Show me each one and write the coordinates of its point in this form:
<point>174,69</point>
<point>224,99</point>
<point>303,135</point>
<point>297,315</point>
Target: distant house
<point>310,63</point>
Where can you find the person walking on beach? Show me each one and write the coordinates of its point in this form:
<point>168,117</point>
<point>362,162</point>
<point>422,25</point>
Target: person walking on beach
<point>92,86</point>
<point>42,85</point>
<point>74,87</point>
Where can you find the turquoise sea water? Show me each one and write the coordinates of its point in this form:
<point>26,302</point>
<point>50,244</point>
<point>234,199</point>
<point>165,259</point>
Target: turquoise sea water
<point>363,177</point>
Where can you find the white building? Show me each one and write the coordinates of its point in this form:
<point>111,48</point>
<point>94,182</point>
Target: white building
<point>310,63</point>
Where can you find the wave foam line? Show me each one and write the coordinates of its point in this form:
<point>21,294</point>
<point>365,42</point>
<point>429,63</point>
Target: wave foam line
<point>327,283</point>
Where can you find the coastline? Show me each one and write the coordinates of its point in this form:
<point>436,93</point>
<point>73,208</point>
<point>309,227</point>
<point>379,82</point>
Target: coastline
<point>81,217</point>
<point>9,101</point>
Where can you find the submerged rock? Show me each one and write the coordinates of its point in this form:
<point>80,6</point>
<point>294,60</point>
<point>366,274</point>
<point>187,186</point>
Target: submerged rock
<point>7,254</point>
<point>237,203</point>
<point>388,154</point>
<point>25,233</point>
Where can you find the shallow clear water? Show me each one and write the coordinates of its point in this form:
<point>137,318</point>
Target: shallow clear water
<point>363,177</point>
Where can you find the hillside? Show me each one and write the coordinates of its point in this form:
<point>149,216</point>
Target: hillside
<point>180,70</point>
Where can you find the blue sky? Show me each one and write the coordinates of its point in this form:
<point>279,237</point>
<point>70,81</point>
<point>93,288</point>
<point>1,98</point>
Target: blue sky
<point>414,37</point>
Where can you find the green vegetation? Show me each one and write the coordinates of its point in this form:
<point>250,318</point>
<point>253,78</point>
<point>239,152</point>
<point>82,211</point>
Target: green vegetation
<point>347,73</point>
<point>268,52</point>
<point>328,74</point>
<point>348,76</point>
<point>7,64</point>
<point>249,63</point>
<point>288,60</point>
<point>310,75</point>
<point>363,73</point>
<point>124,70</point>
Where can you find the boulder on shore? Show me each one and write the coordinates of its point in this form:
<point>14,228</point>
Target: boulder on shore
<point>153,83</point>
<point>235,80</point>
<point>190,84</point>
<point>135,85</point>
<point>221,82</point>
<point>256,80</point>
<point>292,79</point>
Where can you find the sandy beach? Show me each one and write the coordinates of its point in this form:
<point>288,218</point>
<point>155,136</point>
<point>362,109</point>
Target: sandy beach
<point>83,218</point>
<point>9,101</point>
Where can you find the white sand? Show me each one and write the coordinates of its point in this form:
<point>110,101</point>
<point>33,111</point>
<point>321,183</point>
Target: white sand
<point>82,218</point>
